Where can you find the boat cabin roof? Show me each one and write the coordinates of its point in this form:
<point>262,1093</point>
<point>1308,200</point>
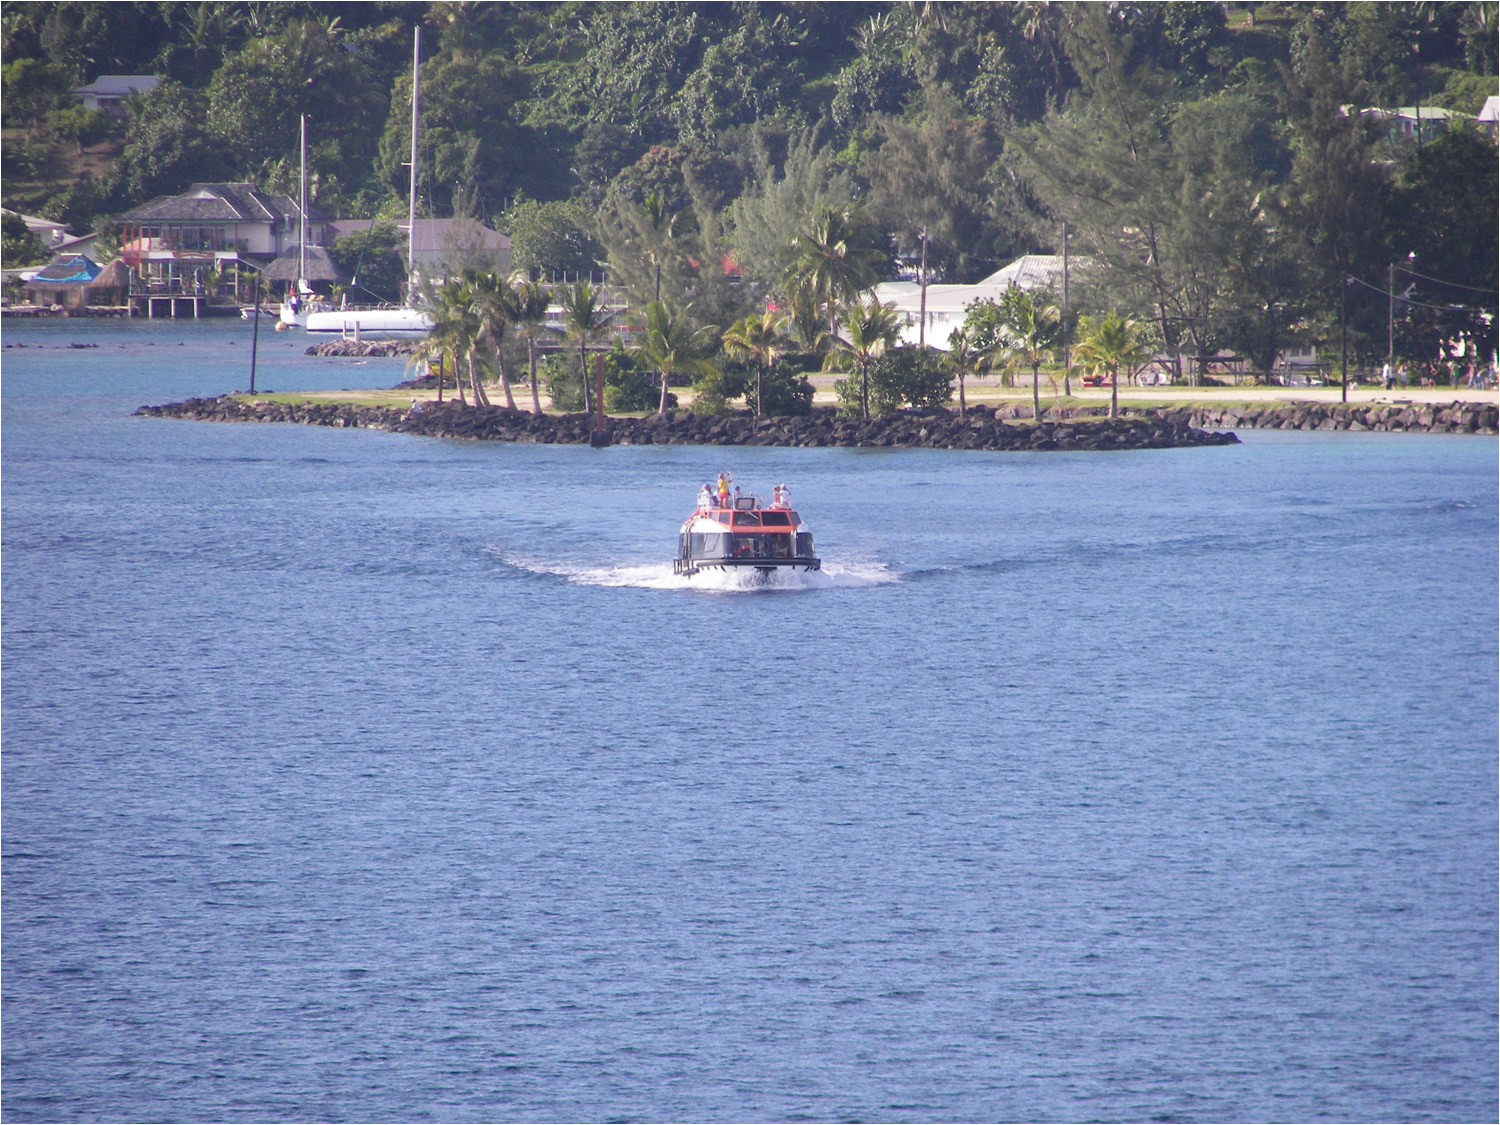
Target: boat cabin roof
<point>750,519</point>
<point>746,514</point>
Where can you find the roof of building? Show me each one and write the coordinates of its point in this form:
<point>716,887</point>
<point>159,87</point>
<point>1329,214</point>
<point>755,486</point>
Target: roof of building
<point>1413,112</point>
<point>1029,272</point>
<point>1032,271</point>
<point>35,223</point>
<point>116,275</point>
<point>1491,110</point>
<point>437,236</point>
<point>320,266</point>
<point>221,203</point>
<point>75,244</point>
<point>118,85</point>
<point>68,271</point>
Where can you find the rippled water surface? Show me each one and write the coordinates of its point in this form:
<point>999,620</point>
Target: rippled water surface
<point>361,776</point>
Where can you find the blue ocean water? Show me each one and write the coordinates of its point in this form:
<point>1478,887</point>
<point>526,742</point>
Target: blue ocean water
<point>358,776</point>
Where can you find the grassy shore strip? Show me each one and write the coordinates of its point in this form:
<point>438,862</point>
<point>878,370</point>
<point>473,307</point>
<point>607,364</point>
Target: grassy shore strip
<point>982,428</point>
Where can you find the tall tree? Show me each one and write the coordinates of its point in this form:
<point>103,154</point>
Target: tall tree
<point>759,338</point>
<point>532,300</point>
<point>674,346</point>
<point>1443,212</point>
<point>494,304</point>
<point>1112,343</point>
<point>1338,195</point>
<point>1030,330</point>
<point>835,258</point>
<point>872,328</point>
<point>771,211</point>
<point>585,319</point>
<point>965,359</point>
<point>1105,166</point>
<point>937,172</point>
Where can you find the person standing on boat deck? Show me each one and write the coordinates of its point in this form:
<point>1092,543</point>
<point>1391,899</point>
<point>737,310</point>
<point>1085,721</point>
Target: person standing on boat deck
<point>736,496</point>
<point>705,498</point>
<point>786,497</point>
<point>723,491</point>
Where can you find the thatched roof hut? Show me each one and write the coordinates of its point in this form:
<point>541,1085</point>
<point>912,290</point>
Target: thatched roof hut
<point>111,287</point>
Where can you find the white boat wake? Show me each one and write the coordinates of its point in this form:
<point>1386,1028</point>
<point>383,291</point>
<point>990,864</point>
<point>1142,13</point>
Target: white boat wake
<point>659,576</point>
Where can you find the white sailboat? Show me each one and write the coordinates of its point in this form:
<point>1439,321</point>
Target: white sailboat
<point>301,302</point>
<point>387,324</point>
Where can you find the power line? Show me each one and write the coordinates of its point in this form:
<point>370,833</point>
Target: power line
<point>1440,281</point>
<point>1419,304</point>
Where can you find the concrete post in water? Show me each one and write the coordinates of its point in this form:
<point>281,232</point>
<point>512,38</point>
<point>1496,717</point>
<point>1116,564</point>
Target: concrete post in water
<point>600,437</point>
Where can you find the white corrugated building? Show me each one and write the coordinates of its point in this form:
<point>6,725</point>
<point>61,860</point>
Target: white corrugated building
<point>947,305</point>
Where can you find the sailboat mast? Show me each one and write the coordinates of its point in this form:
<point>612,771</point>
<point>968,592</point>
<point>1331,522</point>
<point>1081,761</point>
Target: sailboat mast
<point>302,207</point>
<point>411,229</point>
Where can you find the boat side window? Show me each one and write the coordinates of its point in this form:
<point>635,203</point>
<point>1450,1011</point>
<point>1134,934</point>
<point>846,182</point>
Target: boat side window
<point>746,519</point>
<point>722,517</point>
<point>707,545</point>
<point>774,519</point>
<point>804,544</point>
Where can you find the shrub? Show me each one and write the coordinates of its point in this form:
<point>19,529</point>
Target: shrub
<point>900,377</point>
<point>710,393</point>
<point>785,390</point>
<point>559,374</point>
<point>628,386</point>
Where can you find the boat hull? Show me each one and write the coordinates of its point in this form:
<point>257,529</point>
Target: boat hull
<point>371,324</point>
<point>689,567</point>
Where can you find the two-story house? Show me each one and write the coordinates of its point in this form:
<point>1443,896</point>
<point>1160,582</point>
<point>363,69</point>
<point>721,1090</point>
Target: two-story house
<point>171,241</point>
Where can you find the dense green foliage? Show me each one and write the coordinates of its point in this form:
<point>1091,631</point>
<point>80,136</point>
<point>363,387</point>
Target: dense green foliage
<point>1199,153</point>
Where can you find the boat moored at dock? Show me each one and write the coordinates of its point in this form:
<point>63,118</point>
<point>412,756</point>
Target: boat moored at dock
<point>740,533</point>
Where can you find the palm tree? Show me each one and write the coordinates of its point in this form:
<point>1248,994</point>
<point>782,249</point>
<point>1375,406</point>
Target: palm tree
<point>495,308</point>
<point>584,319</point>
<point>966,358</point>
<point>760,338</point>
<point>1109,345</point>
<point>660,229</point>
<point>673,346</point>
<point>531,301</point>
<point>802,316</point>
<point>454,335</point>
<point>1029,330</point>
<point>833,258</point>
<point>872,327</point>
<point>456,332</point>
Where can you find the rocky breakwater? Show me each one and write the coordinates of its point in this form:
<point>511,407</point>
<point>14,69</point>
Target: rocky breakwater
<point>1398,417</point>
<point>364,347</point>
<point>980,428</point>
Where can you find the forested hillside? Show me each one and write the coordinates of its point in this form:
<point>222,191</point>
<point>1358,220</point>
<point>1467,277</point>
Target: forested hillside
<point>1202,152</point>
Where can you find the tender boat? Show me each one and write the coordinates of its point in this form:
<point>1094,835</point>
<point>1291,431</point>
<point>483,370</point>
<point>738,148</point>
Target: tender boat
<point>745,534</point>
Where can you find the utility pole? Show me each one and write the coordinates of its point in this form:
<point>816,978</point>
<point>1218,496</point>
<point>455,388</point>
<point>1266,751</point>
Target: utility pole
<point>254,332</point>
<point>922,327</point>
<point>1390,318</point>
<point>1344,335</point>
<point>1066,327</point>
